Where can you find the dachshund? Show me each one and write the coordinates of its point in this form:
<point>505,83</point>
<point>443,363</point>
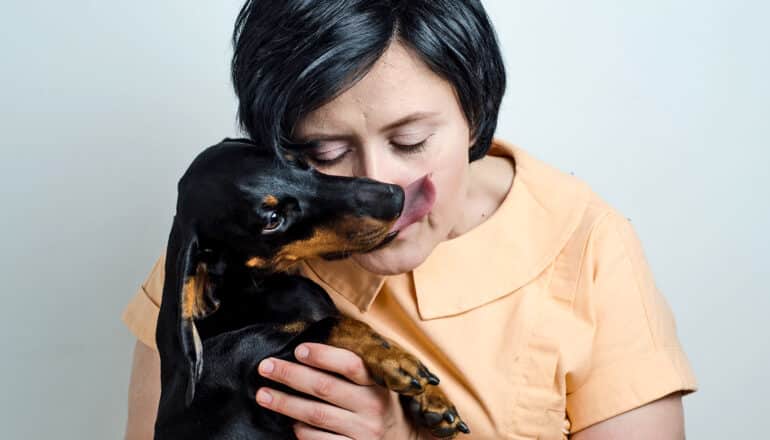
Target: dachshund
<point>245,215</point>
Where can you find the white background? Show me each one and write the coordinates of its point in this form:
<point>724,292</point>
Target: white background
<point>662,106</point>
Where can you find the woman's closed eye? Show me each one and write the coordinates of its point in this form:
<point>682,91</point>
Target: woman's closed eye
<point>411,148</point>
<point>408,143</point>
<point>327,155</point>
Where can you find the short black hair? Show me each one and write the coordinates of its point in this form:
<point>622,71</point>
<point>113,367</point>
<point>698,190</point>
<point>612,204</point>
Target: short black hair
<point>290,57</point>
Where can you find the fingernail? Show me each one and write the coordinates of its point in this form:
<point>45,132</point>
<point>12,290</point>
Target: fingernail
<point>264,397</point>
<point>302,352</point>
<point>266,366</point>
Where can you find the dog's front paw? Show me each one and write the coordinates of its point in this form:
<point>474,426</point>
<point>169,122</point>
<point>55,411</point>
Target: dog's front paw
<point>433,410</point>
<point>390,365</point>
<point>402,373</point>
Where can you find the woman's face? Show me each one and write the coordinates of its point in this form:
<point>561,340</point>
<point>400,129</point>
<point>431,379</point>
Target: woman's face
<point>397,124</point>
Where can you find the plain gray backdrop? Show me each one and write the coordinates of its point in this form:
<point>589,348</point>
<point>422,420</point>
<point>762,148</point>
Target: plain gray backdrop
<point>663,107</point>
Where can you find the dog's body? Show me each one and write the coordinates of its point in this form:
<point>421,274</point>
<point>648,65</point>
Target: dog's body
<point>243,219</point>
<point>224,406</point>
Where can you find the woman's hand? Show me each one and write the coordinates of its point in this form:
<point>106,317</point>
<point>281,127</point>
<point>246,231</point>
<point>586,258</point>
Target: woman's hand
<point>355,409</point>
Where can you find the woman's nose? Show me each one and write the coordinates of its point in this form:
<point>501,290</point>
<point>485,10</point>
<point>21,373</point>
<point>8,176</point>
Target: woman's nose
<point>376,164</point>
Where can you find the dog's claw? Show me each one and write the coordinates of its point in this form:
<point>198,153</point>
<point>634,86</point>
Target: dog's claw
<point>405,374</point>
<point>433,410</point>
<point>432,378</point>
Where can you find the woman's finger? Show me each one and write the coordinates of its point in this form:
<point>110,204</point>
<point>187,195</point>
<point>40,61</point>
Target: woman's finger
<point>318,414</point>
<point>325,386</point>
<point>306,432</point>
<point>334,359</point>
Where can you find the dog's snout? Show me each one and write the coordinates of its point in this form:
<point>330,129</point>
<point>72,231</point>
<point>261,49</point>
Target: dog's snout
<point>397,196</point>
<point>379,200</point>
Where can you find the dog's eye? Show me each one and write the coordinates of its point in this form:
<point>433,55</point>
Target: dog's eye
<point>274,221</point>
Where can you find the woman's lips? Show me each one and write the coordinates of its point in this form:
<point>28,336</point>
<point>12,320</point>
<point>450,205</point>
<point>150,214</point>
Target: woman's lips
<point>418,201</point>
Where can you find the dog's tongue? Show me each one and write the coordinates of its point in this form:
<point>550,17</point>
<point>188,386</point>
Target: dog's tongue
<point>418,200</point>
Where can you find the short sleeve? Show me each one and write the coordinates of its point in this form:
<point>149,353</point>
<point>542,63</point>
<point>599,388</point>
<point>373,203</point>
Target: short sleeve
<point>635,356</point>
<point>141,313</point>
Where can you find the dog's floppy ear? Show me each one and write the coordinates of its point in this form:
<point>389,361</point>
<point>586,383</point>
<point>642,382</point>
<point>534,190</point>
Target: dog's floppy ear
<point>187,296</point>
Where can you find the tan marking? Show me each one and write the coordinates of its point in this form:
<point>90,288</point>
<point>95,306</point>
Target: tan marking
<point>193,305</point>
<point>256,262</point>
<point>349,234</point>
<point>294,327</point>
<point>270,200</point>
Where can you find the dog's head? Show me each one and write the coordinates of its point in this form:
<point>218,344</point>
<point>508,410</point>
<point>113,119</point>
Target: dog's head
<point>239,204</point>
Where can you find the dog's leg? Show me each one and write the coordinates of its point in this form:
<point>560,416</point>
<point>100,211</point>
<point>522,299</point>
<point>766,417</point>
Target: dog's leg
<point>393,367</point>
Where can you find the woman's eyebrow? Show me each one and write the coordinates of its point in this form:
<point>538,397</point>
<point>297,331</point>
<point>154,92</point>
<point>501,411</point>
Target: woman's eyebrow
<point>416,116</point>
<point>413,117</point>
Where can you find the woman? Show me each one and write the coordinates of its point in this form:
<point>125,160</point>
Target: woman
<point>524,291</point>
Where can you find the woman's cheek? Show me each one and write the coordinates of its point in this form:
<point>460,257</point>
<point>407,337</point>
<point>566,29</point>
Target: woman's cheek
<point>450,194</point>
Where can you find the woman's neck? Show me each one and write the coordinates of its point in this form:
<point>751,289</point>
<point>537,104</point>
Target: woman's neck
<point>490,180</point>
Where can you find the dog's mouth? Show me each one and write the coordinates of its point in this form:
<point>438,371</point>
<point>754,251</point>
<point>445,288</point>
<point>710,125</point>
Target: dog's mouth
<point>336,255</point>
<point>388,238</point>
<point>379,244</point>
<point>367,234</point>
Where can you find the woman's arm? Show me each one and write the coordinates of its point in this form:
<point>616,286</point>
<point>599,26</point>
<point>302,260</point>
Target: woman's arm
<point>143,393</point>
<point>662,419</point>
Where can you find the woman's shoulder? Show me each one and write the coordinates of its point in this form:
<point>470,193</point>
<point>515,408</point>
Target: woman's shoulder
<point>548,198</point>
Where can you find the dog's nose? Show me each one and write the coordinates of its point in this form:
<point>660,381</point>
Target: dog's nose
<point>397,196</point>
<point>379,200</point>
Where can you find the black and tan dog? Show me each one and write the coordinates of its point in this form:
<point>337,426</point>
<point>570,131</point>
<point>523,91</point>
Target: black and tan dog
<point>243,218</point>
